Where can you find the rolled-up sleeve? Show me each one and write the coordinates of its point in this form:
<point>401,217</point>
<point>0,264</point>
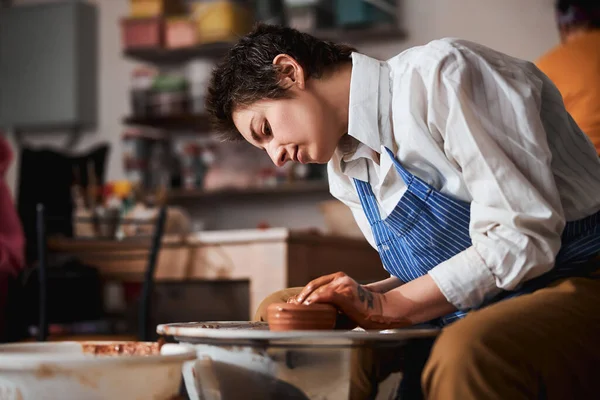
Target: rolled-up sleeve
<point>493,132</point>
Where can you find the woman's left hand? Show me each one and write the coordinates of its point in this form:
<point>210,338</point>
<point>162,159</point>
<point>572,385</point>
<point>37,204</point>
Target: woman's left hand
<point>364,307</point>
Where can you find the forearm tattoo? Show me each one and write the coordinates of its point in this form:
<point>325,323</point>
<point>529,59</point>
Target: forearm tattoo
<point>365,295</point>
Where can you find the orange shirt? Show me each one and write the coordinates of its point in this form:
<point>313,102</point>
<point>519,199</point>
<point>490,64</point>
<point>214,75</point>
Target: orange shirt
<point>574,67</point>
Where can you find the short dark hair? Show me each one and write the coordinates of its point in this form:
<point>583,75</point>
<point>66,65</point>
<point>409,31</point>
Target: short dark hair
<point>247,74</point>
<point>576,13</point>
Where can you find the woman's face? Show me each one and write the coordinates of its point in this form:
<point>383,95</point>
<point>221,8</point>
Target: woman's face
<point>295,128</point>
<point>289,129</point>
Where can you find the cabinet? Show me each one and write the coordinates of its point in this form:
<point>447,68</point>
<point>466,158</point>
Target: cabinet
<point>48,66</point>
<point>269,259</point>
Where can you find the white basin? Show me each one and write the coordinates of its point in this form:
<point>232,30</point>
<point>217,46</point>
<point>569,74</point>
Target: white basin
<point>61,370</point>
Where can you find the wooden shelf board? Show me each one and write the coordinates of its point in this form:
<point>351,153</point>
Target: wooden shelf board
<point>196,123</point>
<point>280,190</point>
<point>175,56</point>
<point>352,35</point>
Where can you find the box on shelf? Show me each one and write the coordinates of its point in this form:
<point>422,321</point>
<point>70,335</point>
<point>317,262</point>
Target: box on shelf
<point>142,32</point>
<point>155,8</point>
<point>221,21</point>
<point>180,32</point>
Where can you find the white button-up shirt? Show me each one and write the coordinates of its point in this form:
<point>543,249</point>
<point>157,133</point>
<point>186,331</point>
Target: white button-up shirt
<point>479,126</point>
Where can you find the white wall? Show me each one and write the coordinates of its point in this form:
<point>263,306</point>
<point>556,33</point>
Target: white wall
<point>113,94</point>
<point>522,28</point>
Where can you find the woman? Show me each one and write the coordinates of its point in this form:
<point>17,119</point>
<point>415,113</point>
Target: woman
<point>465,171</point>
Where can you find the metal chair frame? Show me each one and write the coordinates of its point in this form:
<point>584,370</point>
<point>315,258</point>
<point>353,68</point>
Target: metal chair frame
<point>148,282</point>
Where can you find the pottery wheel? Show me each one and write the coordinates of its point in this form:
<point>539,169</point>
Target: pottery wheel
<point>242,332</point>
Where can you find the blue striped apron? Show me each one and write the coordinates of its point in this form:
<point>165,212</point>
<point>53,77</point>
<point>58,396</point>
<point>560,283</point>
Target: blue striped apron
<point>427,228</point>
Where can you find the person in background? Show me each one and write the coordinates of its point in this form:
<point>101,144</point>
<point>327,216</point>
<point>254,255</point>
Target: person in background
<point>12,239</point>
<point>464,170</point>
<point>574,65</point>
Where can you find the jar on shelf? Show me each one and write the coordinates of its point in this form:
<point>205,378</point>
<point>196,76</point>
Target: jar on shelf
<point>135,171</point>
<point>138,147</point>
<point>198,73</point>
<point>193,168</point>
<point>140,94</point>
<point>170,95</point>
<point>157,165</point>
<point>135,147</point>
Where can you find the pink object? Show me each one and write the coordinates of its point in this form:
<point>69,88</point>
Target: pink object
<point>180,33</point>
<point>142,33</point>
<point>12,239</point>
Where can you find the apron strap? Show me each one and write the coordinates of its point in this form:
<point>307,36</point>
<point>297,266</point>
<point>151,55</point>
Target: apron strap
<point>415,185</point>
<point>368,201</point>
<point>407,177</point>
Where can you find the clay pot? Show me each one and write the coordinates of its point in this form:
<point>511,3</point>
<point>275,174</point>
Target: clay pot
<point>289,317</point>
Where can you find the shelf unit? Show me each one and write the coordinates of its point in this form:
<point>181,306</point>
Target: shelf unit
<point>198,123</point>
<point>217,50</point>
<point>176,56</point>
<point>286,189</point>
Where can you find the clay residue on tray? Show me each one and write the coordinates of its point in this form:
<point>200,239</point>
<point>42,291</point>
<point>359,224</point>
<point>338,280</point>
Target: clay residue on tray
<point>123,348</point>
<point>45,371</point>
<point>208,326</point>
<point>225,325</point>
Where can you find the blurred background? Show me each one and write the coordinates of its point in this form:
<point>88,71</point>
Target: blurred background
<point>170,47</point>
<point>102,106</point>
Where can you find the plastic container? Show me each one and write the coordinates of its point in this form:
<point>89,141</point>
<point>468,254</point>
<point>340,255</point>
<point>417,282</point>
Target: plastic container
<point>180,32</point>
<point>221,21</point>
<point>155,8</point>
<point>140,94</point>
<point>167,104</point>
<point>170,96</point>
<point>142,32</point>
<point>198,73</point>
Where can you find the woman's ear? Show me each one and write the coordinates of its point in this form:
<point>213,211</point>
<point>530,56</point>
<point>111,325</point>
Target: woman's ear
<point>290,71</point>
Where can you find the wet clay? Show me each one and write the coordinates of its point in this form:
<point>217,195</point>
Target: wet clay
<point>122,348</point>
<point>290,317</point>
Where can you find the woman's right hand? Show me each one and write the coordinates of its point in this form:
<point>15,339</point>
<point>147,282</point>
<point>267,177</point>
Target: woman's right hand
<point>343,322</point>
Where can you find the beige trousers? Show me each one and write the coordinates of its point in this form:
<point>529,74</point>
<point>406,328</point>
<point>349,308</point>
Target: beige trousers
<point>544,345</point>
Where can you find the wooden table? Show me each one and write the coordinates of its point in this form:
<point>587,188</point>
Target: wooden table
<point>271,259</point>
